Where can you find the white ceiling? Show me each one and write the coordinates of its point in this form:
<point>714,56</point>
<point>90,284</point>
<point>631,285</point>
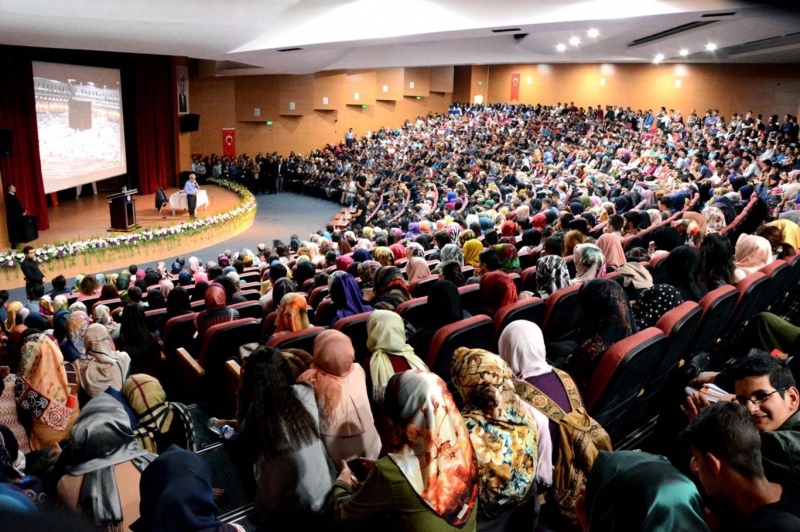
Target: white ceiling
<point>353,34</point>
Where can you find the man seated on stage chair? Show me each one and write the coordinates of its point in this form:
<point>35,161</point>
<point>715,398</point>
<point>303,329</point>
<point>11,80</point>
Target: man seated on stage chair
<point>191,188</point>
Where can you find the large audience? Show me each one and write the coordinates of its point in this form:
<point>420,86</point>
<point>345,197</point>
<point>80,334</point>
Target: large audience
<point>509,203</point>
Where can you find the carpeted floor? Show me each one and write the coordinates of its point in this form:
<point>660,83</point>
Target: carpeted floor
<point>277,217</point>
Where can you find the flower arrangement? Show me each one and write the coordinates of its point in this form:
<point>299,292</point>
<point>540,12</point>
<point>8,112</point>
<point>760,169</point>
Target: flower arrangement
<point>69,251</point>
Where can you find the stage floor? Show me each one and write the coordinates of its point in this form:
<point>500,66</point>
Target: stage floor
<point>88,216</point>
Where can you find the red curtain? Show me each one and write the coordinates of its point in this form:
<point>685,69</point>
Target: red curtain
<point>18,113</point>
<point>155,121</point>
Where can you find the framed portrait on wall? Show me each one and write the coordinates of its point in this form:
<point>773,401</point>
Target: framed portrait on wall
<point>183,90</point>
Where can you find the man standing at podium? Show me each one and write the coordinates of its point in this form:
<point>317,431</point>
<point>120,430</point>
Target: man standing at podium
<point>191,189</point>
<point>15,213</point>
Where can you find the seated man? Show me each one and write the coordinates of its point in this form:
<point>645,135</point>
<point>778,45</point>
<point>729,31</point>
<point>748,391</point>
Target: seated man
<point>727,459</point>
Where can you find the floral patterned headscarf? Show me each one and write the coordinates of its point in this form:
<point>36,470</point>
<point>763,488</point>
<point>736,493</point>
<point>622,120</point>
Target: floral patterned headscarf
<point>77,324</point>
<point>431,445</point>
<point>502,432</point>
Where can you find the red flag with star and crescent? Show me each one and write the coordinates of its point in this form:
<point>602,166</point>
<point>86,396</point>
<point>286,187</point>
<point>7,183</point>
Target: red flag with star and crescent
<point>229,142</point>
<point>514,86</point>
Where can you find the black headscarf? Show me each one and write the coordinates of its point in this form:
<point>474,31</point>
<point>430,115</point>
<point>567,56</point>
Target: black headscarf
<point>683,267</point>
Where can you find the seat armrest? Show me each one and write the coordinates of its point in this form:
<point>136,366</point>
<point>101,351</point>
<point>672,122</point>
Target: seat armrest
<point>190,373</point>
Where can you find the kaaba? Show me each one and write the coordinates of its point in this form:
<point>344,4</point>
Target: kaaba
<point>80,115</point>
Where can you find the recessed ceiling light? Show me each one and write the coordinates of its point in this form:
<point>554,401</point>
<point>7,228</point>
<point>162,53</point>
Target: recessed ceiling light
<point>575,41</point>
<point>593,33</point>
<point>658,58</point>
<point>711,47</point>
<point>561,47</point>
<point>684,52</point>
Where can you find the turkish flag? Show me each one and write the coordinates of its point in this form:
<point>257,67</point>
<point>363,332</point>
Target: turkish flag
<point>514,86</point>
<point>229,142</point>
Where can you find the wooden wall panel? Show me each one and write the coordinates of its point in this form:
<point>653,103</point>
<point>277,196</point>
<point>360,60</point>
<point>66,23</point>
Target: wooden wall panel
<point>479,83</point>
<point>213,99</point>
<point>256,92</point>
<point>462,83</point>
<point>420,78</point>
<point>442,79</point>
<point>297,90</point>
<point>330,85</point>
<point>363,84</point>
<point>390,79</point>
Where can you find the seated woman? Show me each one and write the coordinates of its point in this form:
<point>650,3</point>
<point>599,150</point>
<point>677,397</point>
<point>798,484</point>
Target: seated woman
<point>215,312</point>
<point>102,315</point>
<point>103,366</point>
<point>340,388</point>
<point>178,304</point>
<point>176,494</point>
<point>279,425</point>
<point>390,288</point>
<point>752,253</point>
<point>417,269</point>
<point>497,291</point>
<point>611,247</point>
<point>683,270</point>
<point>160,423</point>
<point>155,299</point>
<point>384,256</point>
<point>443,309</point>
<point>390,353</point>
<point>472,250</point>
<point>589,263</point>
<point>292,314</point>
<point>419,487</point>
<point>347,297</point>
<point>72,347</point>
<point>136,340</point>
<point>104,466</point>
<point>509,260</point>
<point>716,266</point>
<point>451,271</point>
<point>493,412</point>
<point>657,497</point>
<point>608,318</point>
<point>653,303</point>
<point>551,275</point>
<point>46,388</point>
<point>89,287</point>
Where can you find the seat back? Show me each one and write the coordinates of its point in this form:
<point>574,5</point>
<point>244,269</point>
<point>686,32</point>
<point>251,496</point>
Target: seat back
<point>355,328</point>
<point>752,290</point>
<point>250,286</point>
<point>249,309</point>
<point>468,271</point>
<point>421,287</point>
<point>659,269</point>
<point>250,295</point>
<point>250,277</point>
<point>316,296</point>
<point>562,315</point>
<point>517,280</point>
<point>267,324</point>
<point>470,296</point>
<point>221,343</point>
<point>779,274</point>
<point>308,285</point>
<point>475,333</point>
<point>529,279</point>
<point>179,332</point>
<point>620,377</point>
<point>531,309</point>
<point>297,340</point>
<point>325,313</point>
<point>112,304</point>
<point>571,268</point>
<point>151,317</point>
<point>717,307</point>
<point>414,311</point>
<point>198,306</point>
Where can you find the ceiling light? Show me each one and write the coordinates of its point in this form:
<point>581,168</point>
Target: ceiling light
<point>593,33</point>
<point>561,47</point>
<point>658,58</point>
<point>575,41</point>
<point>684,52</point>
<point>711,47</point>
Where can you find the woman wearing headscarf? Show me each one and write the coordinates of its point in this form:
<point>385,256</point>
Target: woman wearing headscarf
<point>160,423</point>
<point>194,265</point>
<point>608,318</point>
<point>185,278</point>
<point>366,272</point>
<point>497,291</point>
<point>166,287</point>
<point>452,252</point>
<point>155,299</point>
<point>612,250</point>
<point>47,388</point>
<point>103,366</point>
<point>420,487</point>
<point>347,298</point>
<point>12,310</point>
<point>340,388</point>
<point>472,251</point>
<point>589,263</point>
<point>343,262</point>
<point>631,491</point>
<point>752,253</point>
<point>104,466</point>
<point>508,232</point>
<point>653,303</point>
<point>292,314</point>
<point>413,249</point>
<point>176,494</point>
<point>390,288</point>
<point>789,230</point>
<point>504,436</point>
<point>683,268</point>
<point>386,340</point>
<point>417,269</point>
<point>398,252</point>
<point>303,271</point>
<point>551,275</point>
<point>425,240</point>
<point>72,347</point>
<point>278,424</point>
<point>178,304</point>
<point>715,219</point>
<point>572,239</point>
<point>509,261</point>
<point>384,256</point>
<point>215,311</point>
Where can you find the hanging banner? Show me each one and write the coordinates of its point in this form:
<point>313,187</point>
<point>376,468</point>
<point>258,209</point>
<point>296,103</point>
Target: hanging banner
<point>229,142</point>
<point>514,86</point>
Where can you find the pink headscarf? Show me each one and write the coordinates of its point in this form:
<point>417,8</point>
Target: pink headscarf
<point>752,253</point>
<point>612,250</point>
<point>343,262</point>
<point>417,268</point>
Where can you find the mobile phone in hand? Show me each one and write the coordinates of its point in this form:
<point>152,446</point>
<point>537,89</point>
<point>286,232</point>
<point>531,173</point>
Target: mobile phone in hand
<point>358,468</point>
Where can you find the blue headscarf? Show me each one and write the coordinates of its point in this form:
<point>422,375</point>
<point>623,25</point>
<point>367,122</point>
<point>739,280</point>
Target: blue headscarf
<point>347,297</point>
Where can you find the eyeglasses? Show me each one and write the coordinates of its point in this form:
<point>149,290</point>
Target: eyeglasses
<point>757,398</point>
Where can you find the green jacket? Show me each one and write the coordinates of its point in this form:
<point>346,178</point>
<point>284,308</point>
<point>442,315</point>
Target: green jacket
<point>780,452</point>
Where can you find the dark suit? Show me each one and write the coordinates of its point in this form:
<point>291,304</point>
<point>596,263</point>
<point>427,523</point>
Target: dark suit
<point>14,218</point>
<point>33,275</point>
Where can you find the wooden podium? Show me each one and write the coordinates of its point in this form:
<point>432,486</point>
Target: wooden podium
<point>122,208</point>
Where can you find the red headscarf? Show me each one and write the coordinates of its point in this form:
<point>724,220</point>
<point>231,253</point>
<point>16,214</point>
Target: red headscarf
<point>215,297</point>
<point>343,262</point>
<point>399,251</point>
<point>497,291</point>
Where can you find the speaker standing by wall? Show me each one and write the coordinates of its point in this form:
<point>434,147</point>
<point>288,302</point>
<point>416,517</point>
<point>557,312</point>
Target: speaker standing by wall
<point>6,138</point>
<point>190,123</point>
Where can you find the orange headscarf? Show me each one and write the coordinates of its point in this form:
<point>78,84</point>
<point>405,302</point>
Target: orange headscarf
<point>292,314</point>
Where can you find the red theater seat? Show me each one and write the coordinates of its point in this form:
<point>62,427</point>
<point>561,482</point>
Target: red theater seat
<point>563,314</point>
<point>297,340</point>
<point>421,287</point>
<point>475,333</point>
<point>752,291</point>
<point>717,307</point>
<point>316,296</point>
<point>470,296</point>
<point>414,311</point>
<point>659,269</point>
<point>529,279</point>
<point>325,313</point>
<point>779,274</point>
<point>250,295</point>
<point>531,309</point>
<point>249,309</point>
<point>355,328</point>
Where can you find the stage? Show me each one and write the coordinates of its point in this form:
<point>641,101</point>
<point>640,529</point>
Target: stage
<point>88,216</point>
